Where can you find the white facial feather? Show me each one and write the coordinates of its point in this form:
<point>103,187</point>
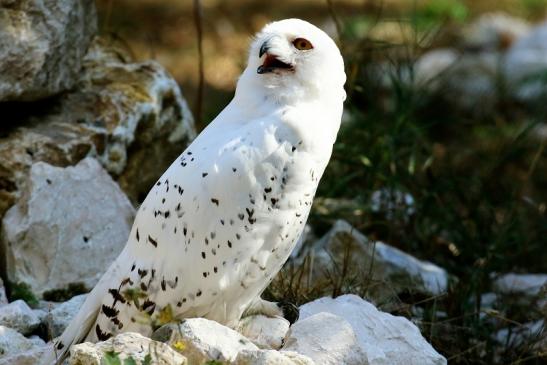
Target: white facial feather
<point>221,221</point>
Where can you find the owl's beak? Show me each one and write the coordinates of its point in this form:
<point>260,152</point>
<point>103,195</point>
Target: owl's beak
<point>263,49</point>
<point>271,62</point>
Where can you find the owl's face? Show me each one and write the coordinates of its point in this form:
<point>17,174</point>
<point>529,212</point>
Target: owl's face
<point>292,54</point>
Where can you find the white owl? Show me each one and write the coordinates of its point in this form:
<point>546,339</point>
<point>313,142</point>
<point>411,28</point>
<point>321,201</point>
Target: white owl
<point>221,221</point>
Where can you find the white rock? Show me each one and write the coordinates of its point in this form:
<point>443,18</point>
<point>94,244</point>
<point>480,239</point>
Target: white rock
<point>524,62</point>
<point>386,339</point>
<point>68,227</point>
<point>520,284</point>
<point>327,339</point>
<point>13,343</point>
<point>20,317</point>
<point>202,340</point>
<point>495,31</point>
<point>265,332</point>
<point>58,318</point>
<point>127,345</point>
<point>3,297</point>
<point>271,357</point>
<point>390,201</point>
<point>468,81</point>
<point>392,267</point>
<point>32,356</point>
<point>42,44</point>
<point>529,333</point>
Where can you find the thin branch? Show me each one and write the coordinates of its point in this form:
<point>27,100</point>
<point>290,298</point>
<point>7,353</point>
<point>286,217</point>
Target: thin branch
<point>198,17</point>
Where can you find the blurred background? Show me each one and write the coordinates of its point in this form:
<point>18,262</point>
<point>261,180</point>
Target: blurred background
<point>441,153</point>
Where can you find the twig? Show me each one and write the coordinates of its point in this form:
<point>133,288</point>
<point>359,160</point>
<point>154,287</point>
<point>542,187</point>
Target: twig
<point>198,16</point>
<point>337,22</point>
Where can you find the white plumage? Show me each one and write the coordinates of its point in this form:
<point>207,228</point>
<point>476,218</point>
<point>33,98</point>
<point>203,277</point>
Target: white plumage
<point>222,220</point>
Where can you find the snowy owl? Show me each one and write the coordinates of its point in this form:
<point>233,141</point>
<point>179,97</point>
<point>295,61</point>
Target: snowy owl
<point>222,220</point>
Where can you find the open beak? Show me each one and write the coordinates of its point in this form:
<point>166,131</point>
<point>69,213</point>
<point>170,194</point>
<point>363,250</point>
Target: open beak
<point>271,62</point>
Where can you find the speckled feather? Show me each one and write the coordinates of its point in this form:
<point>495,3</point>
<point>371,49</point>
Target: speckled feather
<point>221,221</point>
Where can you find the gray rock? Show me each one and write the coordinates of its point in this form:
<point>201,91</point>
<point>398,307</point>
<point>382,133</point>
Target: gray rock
<point>327,339</point>
<point>42,45</point>
<point>385,339</point>
<point>13,343</point>
<point>202,340</point>
<point>390,268</point>
<point>130,116</point>
<point>60,316</point>
<point>68,227</point>
<point>20,317</point>
<point>271,357</point>
<point>127,345</point>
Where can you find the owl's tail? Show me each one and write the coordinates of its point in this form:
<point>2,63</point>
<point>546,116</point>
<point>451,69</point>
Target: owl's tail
<point>82,323</point>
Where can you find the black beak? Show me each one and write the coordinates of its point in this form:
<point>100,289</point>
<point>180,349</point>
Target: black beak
<point>263,49</point>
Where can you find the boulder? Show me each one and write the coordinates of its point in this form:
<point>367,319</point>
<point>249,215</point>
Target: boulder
<point>20,317</point>
<point>385,339</point>
<point>388,266</point>
<point>42,46</point>
<point>64,216</point>
<point>202,340</point>
<point>265,332</point>
<point>130,116</point>
<point>271,357</point>
<point>13,343</point>
<point>123,347</point>
<point>327,339</point>
<point>59,317</point>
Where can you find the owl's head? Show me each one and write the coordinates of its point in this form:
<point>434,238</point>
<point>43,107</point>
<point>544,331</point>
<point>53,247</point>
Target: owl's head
<point>294,59</point>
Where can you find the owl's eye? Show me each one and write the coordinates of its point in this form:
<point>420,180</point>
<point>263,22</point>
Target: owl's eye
<point>302,44</point>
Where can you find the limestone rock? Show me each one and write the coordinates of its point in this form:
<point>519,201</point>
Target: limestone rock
<point>20,317</point>
<point>327,339</point>
<point>386,339</point>
<point>202,340</point>
<point>392,268</point>
<point>127,345</point>
<point>265,332</point>
<point>520,284</point>
<point>58,318</point>
<point>32,356</point>
<point>12,343</point>
<point>526,64</point>
<point>42,45</point>
<point>494,31</point>
<point>271,357</point>
<point>69,226</point>
<point>130,116</point>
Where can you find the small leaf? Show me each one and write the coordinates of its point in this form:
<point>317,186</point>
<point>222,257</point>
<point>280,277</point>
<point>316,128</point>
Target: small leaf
<point>111,358</point>
<point>147,360</point>
<point>129,361</point>
<point>180,346</point>
<point>365,161</point>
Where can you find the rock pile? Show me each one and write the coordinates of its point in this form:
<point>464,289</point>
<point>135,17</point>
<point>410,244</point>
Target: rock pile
<point>85,133</point>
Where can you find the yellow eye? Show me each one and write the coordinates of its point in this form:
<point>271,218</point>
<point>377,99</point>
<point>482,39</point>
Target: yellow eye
<point>302,44</point>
